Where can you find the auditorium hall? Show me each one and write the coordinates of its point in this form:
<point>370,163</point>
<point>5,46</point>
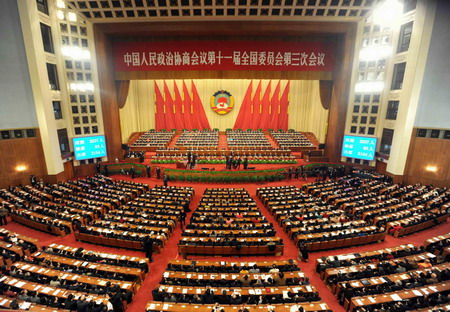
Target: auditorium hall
<point>225,155</point>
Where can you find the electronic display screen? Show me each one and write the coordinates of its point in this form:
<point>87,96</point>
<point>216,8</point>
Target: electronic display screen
<point>359,147</point>
<point>89,147</point>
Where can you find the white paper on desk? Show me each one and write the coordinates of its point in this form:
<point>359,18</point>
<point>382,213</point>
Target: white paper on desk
<point>41,270</point>
<point>26,266</point>
<point>37,287</point>
<point>184,291</point>
<point>189,275</point>
<point>323,306</point>
<point>99,301</point>
<point>251,291</point>
<point>223,276</point>
<point>46,290</point>
<point>396,297</point>
<point>25,306</point>
<point>3,302</point>
<point>3,278</point>
<point>233,276</point>
<point>152,306</point>
<point>308,288</point>
<point>285,294</point>
<point>417,293</point>
<point>166,274</point>
<point>372,299</point>
<point>359,302</point>
<point>258,291</point>
<point>170,289</point>
<point>355,284</point>
<point>57,292</point>
<point>102,283</point>
<point>199,291</point>
<point>20,284</point>
<point>425,291</point>
<point>434,289</point>
<point>430,255</point>
<point>64,276</point>
<point>165,306</point>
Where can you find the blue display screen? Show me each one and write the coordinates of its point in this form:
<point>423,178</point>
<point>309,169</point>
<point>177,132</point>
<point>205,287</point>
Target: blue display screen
<point>359,147</point>
<point>89,147</point>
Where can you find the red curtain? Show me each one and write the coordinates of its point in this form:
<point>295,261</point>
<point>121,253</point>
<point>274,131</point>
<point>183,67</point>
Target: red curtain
<point>199,111</point>
<point>256,108</point>
<point>169,113</point>
<point>122,87</point>
<point>179,109</point>
<point>275,108</point>
<point>243,121</point>
<point>160,120</point>
<point>265,108</point>
<point>284,112</point>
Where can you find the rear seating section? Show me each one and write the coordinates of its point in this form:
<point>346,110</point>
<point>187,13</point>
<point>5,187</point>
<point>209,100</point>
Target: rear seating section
<point>199,285</point>
<point>404,278</point>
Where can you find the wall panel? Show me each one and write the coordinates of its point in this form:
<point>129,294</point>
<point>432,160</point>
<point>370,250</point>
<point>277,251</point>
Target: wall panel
<point>427,152</point>
<point>26,152</point>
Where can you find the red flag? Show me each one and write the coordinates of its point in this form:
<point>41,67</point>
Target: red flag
<point>275,108</point>
<point>199,111</point>
<point>256,106</point>
<point>160,121</point>
<point>284,111</point>
<point>169,108</point>
<point>188,109</point>
<point>179,109</point>
<point>243,121</point>
<point>265,105</point>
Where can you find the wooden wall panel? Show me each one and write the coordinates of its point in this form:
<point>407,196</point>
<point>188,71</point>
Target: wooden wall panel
<point>424,152</point>
<point>340,95</point>
<point>110,109</point>
<point>26,152</point>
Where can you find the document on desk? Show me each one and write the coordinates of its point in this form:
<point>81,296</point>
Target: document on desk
<point>184,291</point>
<point>170,289</point>
<point>417,293</point>
<point>25,306</point>
<point>359,302</point>
<point>425,291</point>
<point>433,288</point>
<point>166,274</point>
<point>251,291</point>
<point>258,291</point>
<point>165,306</point>
<point>372,299</point>
<point>323,306</point>
<point>20,284</point>
<point>308,288</point>
<point>3,302</point>
<point>396,297</point>
<point>152,306</point>
<point>46,290</point>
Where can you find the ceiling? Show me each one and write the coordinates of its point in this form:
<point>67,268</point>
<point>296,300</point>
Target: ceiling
<point>114,11</point>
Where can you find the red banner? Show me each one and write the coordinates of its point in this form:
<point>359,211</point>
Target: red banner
<point>223,55</point>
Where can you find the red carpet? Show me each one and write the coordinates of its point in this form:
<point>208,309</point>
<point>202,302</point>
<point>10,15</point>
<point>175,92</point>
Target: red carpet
<point>171,251</point>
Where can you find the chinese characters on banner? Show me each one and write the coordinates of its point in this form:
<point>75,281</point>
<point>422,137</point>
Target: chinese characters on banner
<point>223,55</point>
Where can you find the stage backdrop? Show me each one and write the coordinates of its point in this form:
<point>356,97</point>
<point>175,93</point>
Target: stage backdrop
<point>305,111</point>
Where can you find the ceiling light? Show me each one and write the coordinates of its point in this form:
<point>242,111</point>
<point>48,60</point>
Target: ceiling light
<point>60,4</point>
<point>72,17</point>
<point>60,15</point>
<point>375,52</point>
<point>431,168</point>
<point>372,86</point>
<point>388,14</point>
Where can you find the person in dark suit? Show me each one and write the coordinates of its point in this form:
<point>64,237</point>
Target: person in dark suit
<point>98,167</point>
<point>149,171</point>
<point>166,180</point>
<point>148,248</point>
<point>182,219</point>
<point>133,172</point>
<point>245,163</point>
<point>158,173</point>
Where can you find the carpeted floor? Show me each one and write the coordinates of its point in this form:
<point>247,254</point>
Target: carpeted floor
<point>171,250</point>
